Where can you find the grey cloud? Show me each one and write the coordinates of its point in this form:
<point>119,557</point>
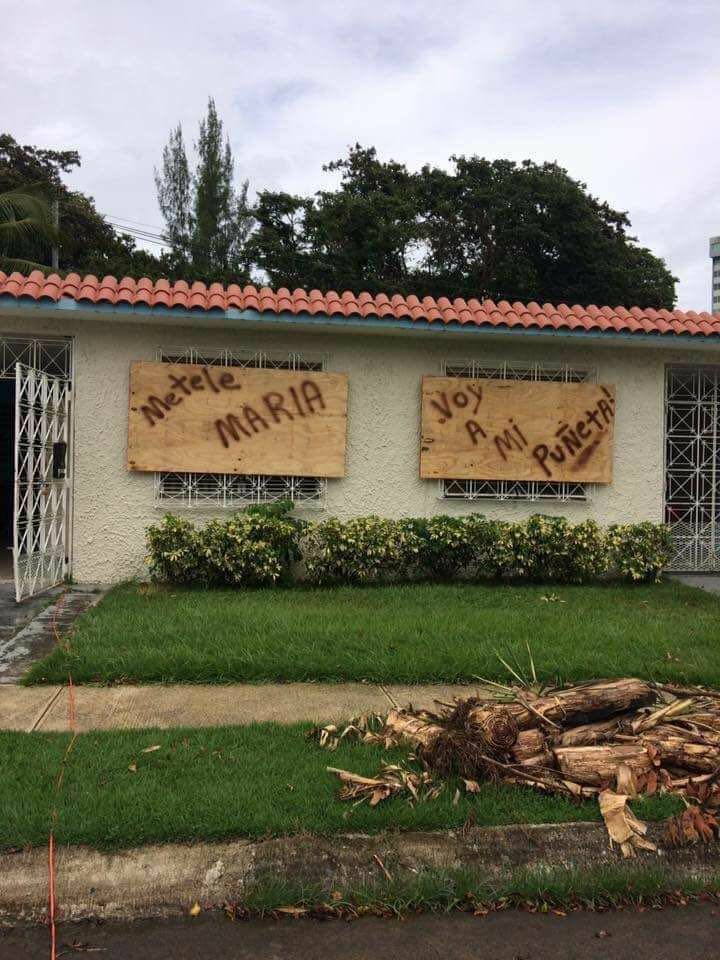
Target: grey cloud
<point>619,93</point>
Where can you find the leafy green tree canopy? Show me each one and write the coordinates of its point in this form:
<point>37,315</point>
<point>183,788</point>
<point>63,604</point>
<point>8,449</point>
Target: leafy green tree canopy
<point>485,228</point>
<point>482,228</point>
<point>87,242</point>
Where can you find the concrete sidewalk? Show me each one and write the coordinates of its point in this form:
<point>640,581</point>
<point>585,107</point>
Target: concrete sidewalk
<point>188,705</point>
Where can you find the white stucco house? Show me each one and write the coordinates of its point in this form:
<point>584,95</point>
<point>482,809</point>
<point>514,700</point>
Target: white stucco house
<point>71,506</point>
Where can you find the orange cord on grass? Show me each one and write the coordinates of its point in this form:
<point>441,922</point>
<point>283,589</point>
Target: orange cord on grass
<point>72,726</point>
<point>51,878</point>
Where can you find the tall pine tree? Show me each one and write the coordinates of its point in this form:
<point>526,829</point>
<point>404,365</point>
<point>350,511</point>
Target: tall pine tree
<point>208,220</point>
<point>173,191</point>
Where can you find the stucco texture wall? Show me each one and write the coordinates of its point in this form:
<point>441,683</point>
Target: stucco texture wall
<point>112,506</point>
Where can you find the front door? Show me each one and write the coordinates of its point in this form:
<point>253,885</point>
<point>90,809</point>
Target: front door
<point>692,467</point>
<point>42,482</point>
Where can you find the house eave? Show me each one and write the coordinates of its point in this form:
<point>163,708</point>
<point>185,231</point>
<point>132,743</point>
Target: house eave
<point>353,325</point>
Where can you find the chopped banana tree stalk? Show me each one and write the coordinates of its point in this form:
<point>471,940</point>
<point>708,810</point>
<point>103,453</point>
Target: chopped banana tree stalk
<point>402,725</point>
<point>530,749</point>
<point>691,753</point>
<point>610,739</point>
<point>590,734</point>
<point>595,766</point>
<point>586,703</point>
<point>528,743</point>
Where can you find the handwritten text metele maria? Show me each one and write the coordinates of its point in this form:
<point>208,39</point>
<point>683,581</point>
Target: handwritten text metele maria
<point>273,407</point>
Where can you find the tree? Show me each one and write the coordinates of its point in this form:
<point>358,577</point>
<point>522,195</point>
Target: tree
<point>485,228</point>
<point>530,232</point>
<point>174,199</point>
<point>208,220</point>
<point>25,215</point>
<point>365,235</point>
<point>280,245</point>
<point>87,242</point>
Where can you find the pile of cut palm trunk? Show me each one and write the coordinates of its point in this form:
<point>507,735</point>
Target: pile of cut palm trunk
<point>612,739</point>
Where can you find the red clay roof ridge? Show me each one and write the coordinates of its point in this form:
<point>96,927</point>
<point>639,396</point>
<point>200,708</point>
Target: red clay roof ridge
<point>201,297</point>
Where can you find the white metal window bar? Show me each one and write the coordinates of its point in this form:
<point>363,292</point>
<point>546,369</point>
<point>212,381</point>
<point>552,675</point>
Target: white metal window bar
<point>51,356</point>
<point>42,482</point>
<point>229,489</point>
<point>692,467</point>
<point>532,490</point>
<point>258,359</point>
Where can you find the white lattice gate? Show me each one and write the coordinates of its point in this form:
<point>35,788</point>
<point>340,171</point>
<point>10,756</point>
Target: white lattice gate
<point>692,467</point>
<point>42,480</point>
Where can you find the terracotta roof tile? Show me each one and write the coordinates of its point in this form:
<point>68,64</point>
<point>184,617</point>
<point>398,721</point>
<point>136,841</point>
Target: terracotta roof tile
<point>201,298</point>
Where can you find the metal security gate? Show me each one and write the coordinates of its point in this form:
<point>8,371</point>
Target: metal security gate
<point>692,467</point>
<point>42,480</point>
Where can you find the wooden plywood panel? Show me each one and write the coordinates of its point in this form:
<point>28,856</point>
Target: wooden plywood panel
<point>187,417</point>
<point>516,430</point>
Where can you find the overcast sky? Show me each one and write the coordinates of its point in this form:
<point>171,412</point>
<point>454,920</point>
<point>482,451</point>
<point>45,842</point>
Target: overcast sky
<point>625,95</point>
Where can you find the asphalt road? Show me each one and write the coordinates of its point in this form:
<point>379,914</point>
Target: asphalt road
<point>669,934</point>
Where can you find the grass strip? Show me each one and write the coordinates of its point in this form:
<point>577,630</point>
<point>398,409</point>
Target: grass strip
<point>404,634</point>
<point>442,891</point>
<point>256,781</point>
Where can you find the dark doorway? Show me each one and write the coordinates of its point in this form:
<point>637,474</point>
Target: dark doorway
<point>7,469</point>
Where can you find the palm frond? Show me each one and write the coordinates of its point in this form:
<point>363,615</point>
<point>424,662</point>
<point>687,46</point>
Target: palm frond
<point>27,209</point>
<point>22,227</point>
<point>11,264</point>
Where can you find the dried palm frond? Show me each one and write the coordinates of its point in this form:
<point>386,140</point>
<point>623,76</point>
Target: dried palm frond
<point>622,825</point>
<point>392,780</point>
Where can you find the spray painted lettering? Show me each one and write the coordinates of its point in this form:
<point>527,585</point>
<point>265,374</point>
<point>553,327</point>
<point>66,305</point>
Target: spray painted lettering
<point>492,429</point>
<point>274,406</point>
<point>579,442</point>
<point>448,404</point>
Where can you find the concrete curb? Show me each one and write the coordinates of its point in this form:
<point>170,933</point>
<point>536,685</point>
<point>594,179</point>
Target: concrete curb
<point>165,880</point>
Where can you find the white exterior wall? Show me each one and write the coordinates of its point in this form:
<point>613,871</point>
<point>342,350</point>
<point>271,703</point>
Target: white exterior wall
<point>112,506</point>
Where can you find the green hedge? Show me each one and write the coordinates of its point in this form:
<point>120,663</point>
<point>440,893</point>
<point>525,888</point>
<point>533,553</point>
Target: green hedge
<point>255,547</point>
<point>260,546</point>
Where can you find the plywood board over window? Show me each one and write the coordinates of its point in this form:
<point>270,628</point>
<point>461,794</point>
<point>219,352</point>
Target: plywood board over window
<point>516,430</point>
<point>214,419</point>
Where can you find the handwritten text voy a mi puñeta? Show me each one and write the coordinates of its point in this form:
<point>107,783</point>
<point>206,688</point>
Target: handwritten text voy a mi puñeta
<point>273,407</point>
<point>573,442</point>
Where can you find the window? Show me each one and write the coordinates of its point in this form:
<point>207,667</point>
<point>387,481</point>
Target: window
<point>531,490</point>
<point>231,489</point>
<point>243,358</point>
<point>52,356</point>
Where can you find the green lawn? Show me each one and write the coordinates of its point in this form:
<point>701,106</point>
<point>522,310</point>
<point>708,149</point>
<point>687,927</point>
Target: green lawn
<point>407,634</point>
<point>255,781</point>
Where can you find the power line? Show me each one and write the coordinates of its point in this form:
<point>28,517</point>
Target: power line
<point>141,236</point>
<point>145,233</point>
<point>137,234</point>
<point>139,223</point>
<point>135,229</point>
